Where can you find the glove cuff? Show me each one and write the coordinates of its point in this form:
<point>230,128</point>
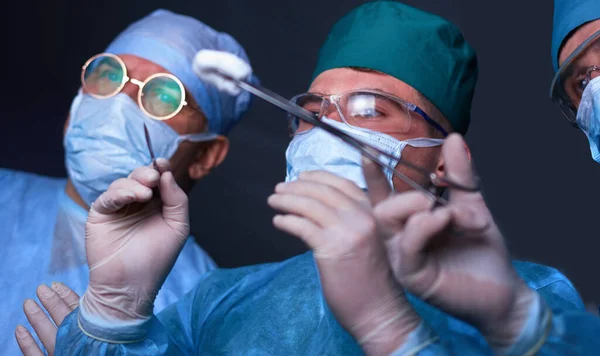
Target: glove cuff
<point>113,331</point>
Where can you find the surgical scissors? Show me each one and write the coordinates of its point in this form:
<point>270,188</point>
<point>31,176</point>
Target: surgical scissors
<point>369,151</point>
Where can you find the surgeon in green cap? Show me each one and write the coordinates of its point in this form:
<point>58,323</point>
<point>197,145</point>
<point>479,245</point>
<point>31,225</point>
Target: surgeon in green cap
<point>424,62</point>
<point>400,79</point>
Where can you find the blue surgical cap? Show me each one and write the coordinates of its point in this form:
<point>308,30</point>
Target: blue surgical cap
<point>171,41</point>
<point>569,15</point>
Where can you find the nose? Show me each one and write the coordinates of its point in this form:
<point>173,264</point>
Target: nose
<point>132,88</point>
<point>595,72</point>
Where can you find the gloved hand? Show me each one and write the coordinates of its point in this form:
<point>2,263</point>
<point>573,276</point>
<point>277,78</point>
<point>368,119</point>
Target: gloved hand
<point>58,301</point>
<point>335,218</point>
<point>133,238</point>
<point>468,274</point>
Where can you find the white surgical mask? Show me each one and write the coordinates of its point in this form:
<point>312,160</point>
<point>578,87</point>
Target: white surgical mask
<point>105,141</point>
<point>317,149</point>
<point>588,116</point>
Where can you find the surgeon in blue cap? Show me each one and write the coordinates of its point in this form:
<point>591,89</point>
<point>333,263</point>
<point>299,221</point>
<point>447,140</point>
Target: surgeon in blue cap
<point>144,78</point>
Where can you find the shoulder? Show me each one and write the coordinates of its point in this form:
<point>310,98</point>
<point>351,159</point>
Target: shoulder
<point>556,288</point>
<point>22,190</point>
<point>224,279</point>
<point>222,288</point>
<point>18,186</point>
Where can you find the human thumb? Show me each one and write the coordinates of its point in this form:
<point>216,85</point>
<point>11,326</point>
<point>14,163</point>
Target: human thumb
<point>175,202</point>
<point>458,165</point>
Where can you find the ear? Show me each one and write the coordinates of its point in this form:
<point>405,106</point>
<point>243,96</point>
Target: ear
<point>440,170</point>
<point>210,155</point>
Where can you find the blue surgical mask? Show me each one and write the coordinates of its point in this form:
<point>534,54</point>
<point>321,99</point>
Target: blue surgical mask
<point>588,116</point>
<point>317,149</point>
<point>105,141</point>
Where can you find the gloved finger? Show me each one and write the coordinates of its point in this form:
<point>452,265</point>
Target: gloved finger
<point>53,303</point>
<point>397,209</point>
<point>147,176</point>
<point>322,192</point>
<point>308,208</point>
<point>470,220</point>
<point>121,193</point>
<point>68,296</point>
<point>377,183</point>
<point>175,201</point>
<point>141,191</point>
<point>420,229</point>
<point>44,328</point>
<point>346,186</point>
<point>299,227</point>
<point>163,165</point>
<point>27,343</point>
<point>458,166</point>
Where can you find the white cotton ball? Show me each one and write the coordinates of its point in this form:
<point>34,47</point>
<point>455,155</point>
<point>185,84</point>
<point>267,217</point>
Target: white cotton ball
<point>207,61</point>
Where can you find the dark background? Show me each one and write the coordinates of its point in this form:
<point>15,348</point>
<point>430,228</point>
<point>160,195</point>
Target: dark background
<point>539,179</point>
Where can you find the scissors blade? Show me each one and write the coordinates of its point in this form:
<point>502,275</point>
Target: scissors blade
<point>149,143</point>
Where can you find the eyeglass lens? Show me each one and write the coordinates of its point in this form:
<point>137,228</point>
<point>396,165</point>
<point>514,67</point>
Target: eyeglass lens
<point>161,96</point>
<point>362,109</point>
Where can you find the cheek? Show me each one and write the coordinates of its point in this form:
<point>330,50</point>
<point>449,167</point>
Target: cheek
<point>186,122</point>
<point>183,157</point>
<point>425,157</point>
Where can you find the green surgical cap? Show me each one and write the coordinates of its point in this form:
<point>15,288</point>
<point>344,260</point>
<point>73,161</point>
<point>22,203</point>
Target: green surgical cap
<point>421,49</point>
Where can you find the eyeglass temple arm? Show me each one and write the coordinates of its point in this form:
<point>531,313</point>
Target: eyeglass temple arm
<point>371,152</point>
<point>430,121</point>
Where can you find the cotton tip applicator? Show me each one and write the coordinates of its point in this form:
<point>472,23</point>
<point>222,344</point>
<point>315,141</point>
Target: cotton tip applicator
<point>208,64</point>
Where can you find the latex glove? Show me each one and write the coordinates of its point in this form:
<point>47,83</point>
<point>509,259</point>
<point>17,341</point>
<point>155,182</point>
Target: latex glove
<point>469,275</point>
<point>133,238</point>
<point>58,301</point>
<point>334,217</point>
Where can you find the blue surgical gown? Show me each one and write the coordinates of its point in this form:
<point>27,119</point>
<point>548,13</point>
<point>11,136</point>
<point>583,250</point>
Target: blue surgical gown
<point>42,233</point>
<point>278,309</point>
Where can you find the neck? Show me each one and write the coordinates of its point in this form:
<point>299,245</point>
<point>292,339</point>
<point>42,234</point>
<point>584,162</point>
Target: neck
<point>72,193</point>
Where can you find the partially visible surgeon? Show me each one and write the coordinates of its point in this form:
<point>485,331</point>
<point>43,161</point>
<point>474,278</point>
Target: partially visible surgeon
<point>393,76</point>
<point>576,61</point>
<point>144,77</point>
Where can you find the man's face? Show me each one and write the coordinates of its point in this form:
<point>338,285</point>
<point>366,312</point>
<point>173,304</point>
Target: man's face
<point>340,80</point>
<point>188,121</point>
<point>575,74</point>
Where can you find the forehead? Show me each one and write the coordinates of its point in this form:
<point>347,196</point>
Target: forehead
<point>136,63</point>
<point>141,68</point>
<point>576,38</point>
<point>339,80</point>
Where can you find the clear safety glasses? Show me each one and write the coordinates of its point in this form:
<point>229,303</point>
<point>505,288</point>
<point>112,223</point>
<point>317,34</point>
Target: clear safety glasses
<point>573,76</point>
<point>365,108</point>
<point>161,96</point>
